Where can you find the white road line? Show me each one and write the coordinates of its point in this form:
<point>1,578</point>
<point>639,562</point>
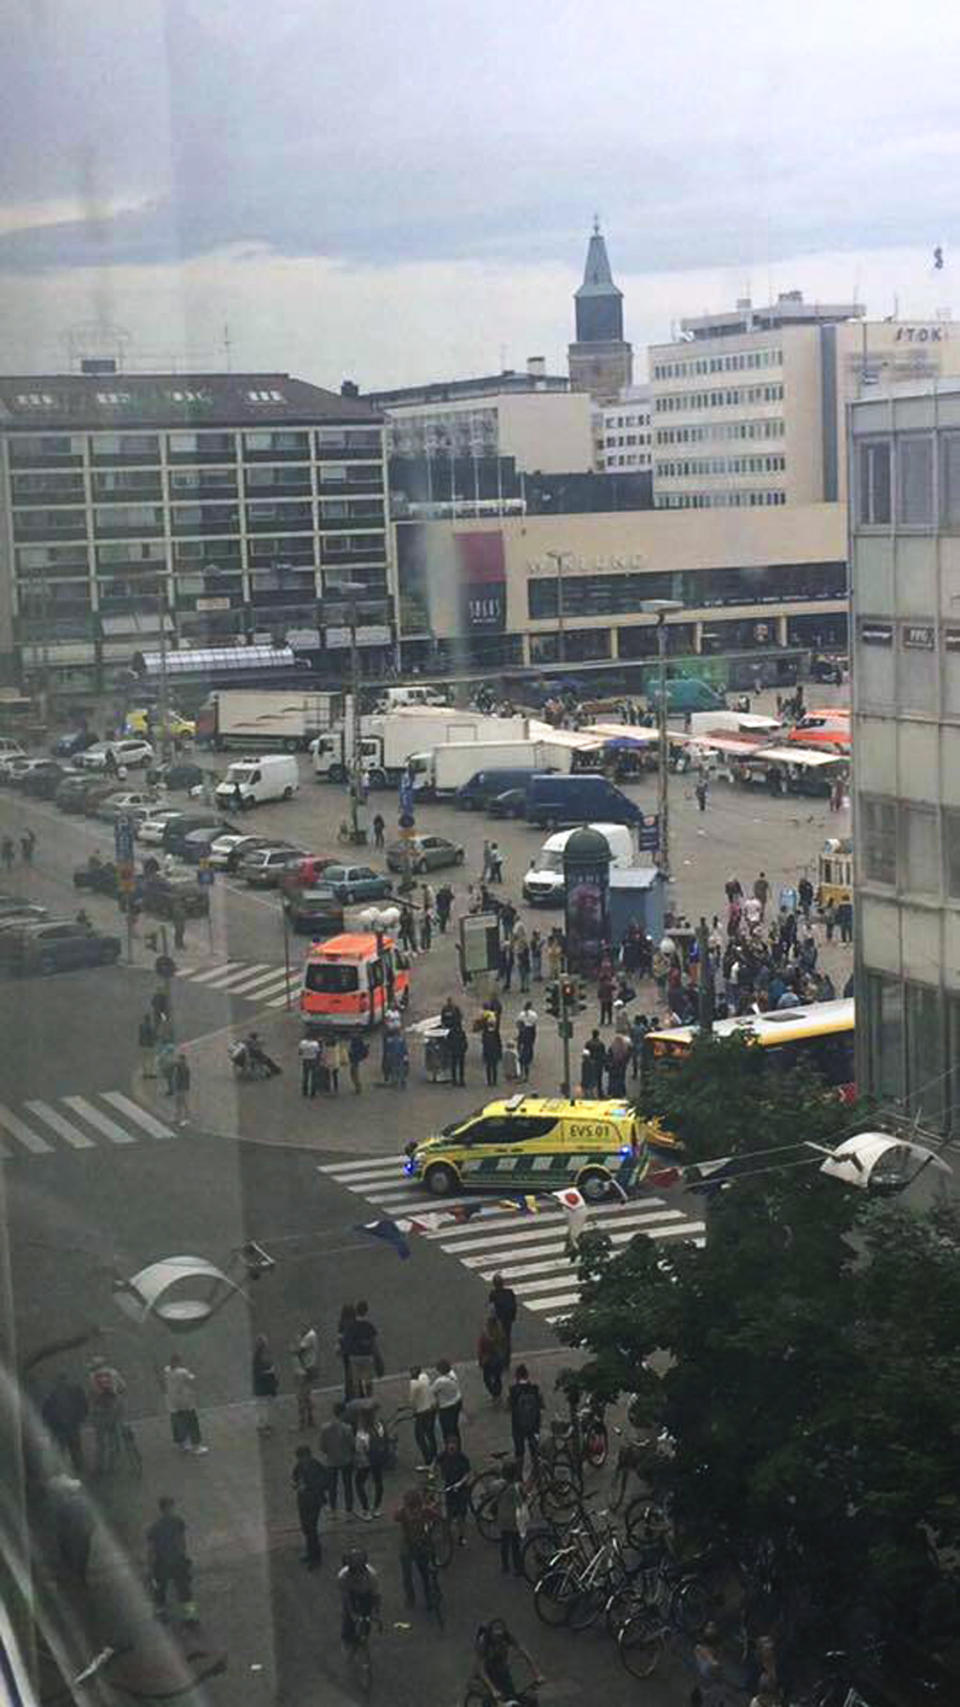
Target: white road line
<point>242,977</point>
<point>212,972</point>
<point>371,1163</point>
<point>558,1246</point>
<point>545,1223</point>
<point>127,1106</point>
<point>561,1299</point>
<point>281,1001</point>
<point>529,1286</point>
<point>276,984</point>
<point>502,1242</point>
<point>102,1122</point>
<point>247,985</point>
<point>71,1134</point>
<point>16,1127</point>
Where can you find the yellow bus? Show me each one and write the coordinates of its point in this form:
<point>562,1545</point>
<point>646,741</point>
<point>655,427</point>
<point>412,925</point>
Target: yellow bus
<point>818,1035</point>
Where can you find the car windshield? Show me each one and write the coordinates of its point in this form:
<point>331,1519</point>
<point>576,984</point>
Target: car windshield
<point>332,980</point>
<point>548,859</point>
<point>239,773</point>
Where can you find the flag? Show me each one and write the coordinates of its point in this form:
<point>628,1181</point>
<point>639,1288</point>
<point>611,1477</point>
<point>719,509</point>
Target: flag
<point>937,258</point>
<point>662,1177</point>
<point>573,1202</point>
<point>389,1232</point>
<point>522,1201</point>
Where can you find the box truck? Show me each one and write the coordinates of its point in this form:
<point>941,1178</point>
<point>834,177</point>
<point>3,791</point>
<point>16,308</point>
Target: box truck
<point>443,769</point>
<point>389,738</point>
<point>284,719</point>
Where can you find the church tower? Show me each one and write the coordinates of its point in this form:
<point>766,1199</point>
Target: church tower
<point>600,361</point>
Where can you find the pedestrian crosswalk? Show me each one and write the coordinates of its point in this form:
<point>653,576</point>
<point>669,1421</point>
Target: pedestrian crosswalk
<point>529,1251</point>
<point>256,981</point>
<point>101,1118</point>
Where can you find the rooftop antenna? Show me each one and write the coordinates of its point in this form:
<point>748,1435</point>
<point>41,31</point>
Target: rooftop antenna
<point>227,345</point>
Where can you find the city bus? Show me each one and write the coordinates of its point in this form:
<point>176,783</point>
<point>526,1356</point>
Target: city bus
<point>818,1035</point>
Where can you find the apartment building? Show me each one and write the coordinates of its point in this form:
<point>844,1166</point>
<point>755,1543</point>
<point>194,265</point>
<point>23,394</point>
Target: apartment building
<point>748,406</point>
<point>225,505</point>
<point>905,576</point>
<point>624,433</point>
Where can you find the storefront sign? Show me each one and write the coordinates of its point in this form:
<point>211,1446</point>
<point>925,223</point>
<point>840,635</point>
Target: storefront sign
<point>951,639</point>
<point>573,565</point>
<point>368,634</point>
<point>918,636</point>
<point>921,335</point>
<point>213,604</point>
<point>876,633</point>
<point>483,580</point>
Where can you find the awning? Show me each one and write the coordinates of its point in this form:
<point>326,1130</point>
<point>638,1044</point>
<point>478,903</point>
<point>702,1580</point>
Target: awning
<point>806,756</point>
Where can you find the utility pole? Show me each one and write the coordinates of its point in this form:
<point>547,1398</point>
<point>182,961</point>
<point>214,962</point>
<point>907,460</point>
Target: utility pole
<point>707,1004</point>
<point>164,677</point>
<point>661,609</point>
<point>352,590</point>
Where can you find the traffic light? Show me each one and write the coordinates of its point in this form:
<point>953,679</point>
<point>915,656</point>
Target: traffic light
<point>553,1000</point>
<point>574,996</point>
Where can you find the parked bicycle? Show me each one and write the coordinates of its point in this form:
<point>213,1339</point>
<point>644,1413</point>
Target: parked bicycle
<point>674,1604</point>
<point>552,1491</point>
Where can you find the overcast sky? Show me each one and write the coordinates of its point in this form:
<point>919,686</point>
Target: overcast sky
<point>397,190</point>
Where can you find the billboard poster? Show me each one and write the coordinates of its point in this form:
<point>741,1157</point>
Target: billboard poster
<point>587,925</point>
<point>483,581</point>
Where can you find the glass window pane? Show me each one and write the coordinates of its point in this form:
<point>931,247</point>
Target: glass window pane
<point>950,479</point>
<point>884,1036</point>
<point>921,863</point>
<point>879,839</point>
<point>875,483</point>
<point>925,1083</point>
<point>915,479</point>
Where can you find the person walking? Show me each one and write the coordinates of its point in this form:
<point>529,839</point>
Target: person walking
<point>264,1382</point>
<point>605,988</point>
<point>830,919</point>
<point>357,1052</point>
<point>416,1544</point>
<point>598,1057</point>
<point>700,791</point>
<point>335,1058</point>
<point>506,964</point>
<point>28,842</point>
<point>424,1408</point>
<point>444,906</point>
<point>618,1060</point>
<point>74,1522</point>
<point>805,897</point>
<point>554,957</point>
<point>306,1368</point>
<point>168,1561</point>
<point>526,1037</point>
<point>147,1040</point>
<point>845,921</point>
<point>455,1470</point>
<point>448,1398</point>
<point>510,1510</point>
<point>761,893</point>
<point>309,1482</point>
<point>526,1414</point>
<point>337,1454</point>
<point>180,1086</point>
<point>503,1303</point>
<point>106,1390</point>
<point>491,1049</point>
<point>308,1054</point>
<point>492,1356</point>
<point>178,915</point>
<point>64,1412</point>
<point>536,956</point>
<point>524,961</point>
<point>496,863</point>
<point>457,1046</point>
<point>363,1352</point>
<point>368,1464</point>
<point>179,1385</point>
<point>379,829</point>
<point>8,851</point>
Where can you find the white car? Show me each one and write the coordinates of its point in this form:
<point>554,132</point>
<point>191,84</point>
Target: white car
<point>124,804</point>
<point>224,846</point>
<point>129,755</point>
<point>150,831</point>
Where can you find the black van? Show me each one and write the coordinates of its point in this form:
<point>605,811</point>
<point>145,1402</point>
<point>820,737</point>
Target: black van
<point>476,793</point>
<point>584,797</point>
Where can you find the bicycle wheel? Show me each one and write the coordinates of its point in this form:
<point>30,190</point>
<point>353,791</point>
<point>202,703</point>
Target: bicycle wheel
<point>559,1495</point>
<point>363,1664</point>
<point>553,1596</point>
<point>442,1537</point>
<point>596,1444</point>
<point>691,1606</point>
<point>486,1516</point>
<point>587,1605</point>
<point>476,1697</point>
<point>537,1551</point>
<point>643,1523</point>
<point>436,1599</point>
<point>482,1487</point>
<point>641,1643</point>
<point>131,1451</point>
<point>621,1605</point>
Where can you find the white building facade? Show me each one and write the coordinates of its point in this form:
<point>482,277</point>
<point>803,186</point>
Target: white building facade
<point>624,433</point>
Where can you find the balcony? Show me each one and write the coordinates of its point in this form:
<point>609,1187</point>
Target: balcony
<point>139,488</point>
<point>48,489</point>
<point>289,483</point>
<point>25,455</point>
<point>282,518</point>
<point>210,519</point>
<point>44,525</point>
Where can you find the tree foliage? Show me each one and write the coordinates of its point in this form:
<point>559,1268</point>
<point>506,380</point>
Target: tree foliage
<point>809,1353</point>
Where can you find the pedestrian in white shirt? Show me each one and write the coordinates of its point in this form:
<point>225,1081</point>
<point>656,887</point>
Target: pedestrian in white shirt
<point>448,1399</point>
<point>424,1408</point>
<point>180,1388</point>
<point>306,1360</point>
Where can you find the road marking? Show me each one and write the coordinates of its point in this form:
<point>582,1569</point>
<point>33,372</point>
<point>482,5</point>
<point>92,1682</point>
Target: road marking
<point>371,1165</point>
<point>235,978</point>
<point>254,978</point>
<point>102,1122</point>
<point>30,1140</point>
<point>277,983</point>
<point>143,1118</point>
<point>211,972</point>
<point>71,1134</point>
<point>561,1298</point>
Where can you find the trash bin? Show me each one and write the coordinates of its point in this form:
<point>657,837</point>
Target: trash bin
<point>511,1062</point>
<point>436,1056</point>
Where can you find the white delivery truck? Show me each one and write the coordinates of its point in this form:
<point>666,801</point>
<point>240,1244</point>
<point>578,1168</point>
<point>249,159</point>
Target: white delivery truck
<point>544,884</point>
<point>284,719</point>
<point>443,769</point>
<point>398,699</point>
<point>257,779</point>
<point>389,738</point>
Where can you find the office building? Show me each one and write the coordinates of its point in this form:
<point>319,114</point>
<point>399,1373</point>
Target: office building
<point>229,505</point>
<point>905,577</point>
<point>624,433</point>
<point>749,406</point>
<point>600,360</point>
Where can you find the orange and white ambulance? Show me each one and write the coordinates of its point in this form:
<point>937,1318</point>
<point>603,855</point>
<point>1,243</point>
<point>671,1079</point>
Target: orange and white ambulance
<point>350,980</point>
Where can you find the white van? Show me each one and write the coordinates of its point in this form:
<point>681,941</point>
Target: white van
<point>399,699</point>
<point>543,883</point>
<point>251,782</point>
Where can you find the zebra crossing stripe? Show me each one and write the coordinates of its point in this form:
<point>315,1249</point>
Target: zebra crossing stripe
<point>155,1128</point>
<point>257,980</point>
<point>102,1122</point>
<point>18,1129</point>
<point>212,972</point>
<point>238,977</point>
<point>563,1299</point>
<point>63,1128</point>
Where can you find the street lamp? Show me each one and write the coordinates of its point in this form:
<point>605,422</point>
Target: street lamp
<point>557,557</point>
<point>352,591</point>
<point>661,609</point>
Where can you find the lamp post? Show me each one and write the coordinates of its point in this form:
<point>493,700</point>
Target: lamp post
<point>661,609</point>
<point>352,590</point>
<point>557,557</point>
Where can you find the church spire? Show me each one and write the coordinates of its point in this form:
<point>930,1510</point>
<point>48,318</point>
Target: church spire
<point>597,277</point>
<point>601,362</point>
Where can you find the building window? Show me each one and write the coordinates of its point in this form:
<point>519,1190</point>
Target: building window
<point>918,839</point>
<point>925,1081</point>
<point>879,840</point>
<point>951,852</point>
<point>950,479</point>
<point>915,479</point>
<point>884,1036</point>
<point>874,483</point>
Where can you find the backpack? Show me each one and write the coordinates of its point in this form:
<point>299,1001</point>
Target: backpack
<point>526,1409</point>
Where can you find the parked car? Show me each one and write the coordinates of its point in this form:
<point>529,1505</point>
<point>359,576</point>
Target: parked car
<point>308,873</point>
<point>131,754</point>
<point>16,770</point>
<point>76,741</point>
<point>197,843</point>
<point>512,803</point>
<point>98,875</point>
<point>482,787</point>
<point>122,803</point>
<point>316,912</point>
<point>423,853</point>
<point>43,781</point>
<point>162,895</point>
<point>351,883</point>
<point>581,798</point>
<point>13,911</point>
<point>176,830</point>
<point>10,749</point>
<point>226,851</point>
<point>60,945</point>
<point>179,775</point>
<point>263,868</point>
<point>150,829</point>
<point>75,791</point>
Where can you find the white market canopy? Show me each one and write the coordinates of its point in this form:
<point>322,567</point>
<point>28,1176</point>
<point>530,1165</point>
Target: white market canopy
<point>150,1292</point>
<point>874,1160</point>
